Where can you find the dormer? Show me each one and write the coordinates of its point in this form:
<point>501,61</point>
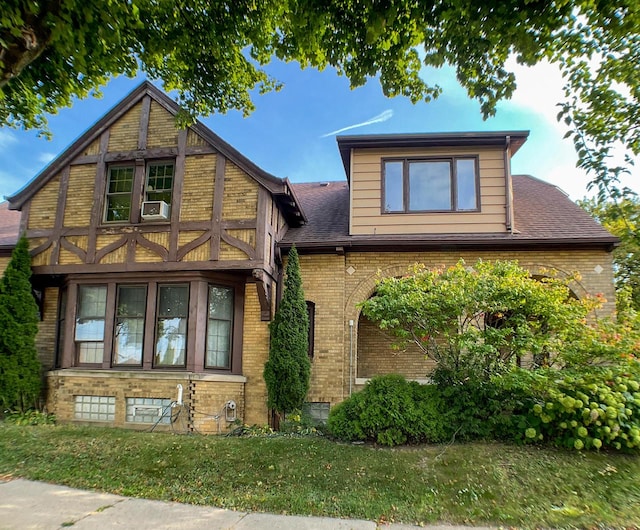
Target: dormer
<point>443,183</point>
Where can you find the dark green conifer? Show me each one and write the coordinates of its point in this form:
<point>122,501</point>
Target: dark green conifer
<point>287,371</point>
<point>20,379</point>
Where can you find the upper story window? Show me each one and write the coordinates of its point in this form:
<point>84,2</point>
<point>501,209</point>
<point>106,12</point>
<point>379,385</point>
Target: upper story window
<point>430,185</point>
<point>159,183</point>
<point>121,189</point>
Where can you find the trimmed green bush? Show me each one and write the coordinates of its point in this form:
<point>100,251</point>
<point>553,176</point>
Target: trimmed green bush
<point>391,411</point>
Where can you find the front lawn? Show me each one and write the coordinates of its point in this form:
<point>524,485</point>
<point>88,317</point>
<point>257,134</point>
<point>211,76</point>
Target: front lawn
<point>475,483</point>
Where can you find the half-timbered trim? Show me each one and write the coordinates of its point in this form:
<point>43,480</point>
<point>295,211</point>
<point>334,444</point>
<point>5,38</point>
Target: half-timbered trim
<point>143,130</point>
<point>218,198</point>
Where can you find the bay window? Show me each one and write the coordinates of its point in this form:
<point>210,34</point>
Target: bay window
<point>219,327</point>
<point>171,325</point>
<point>90,323</point>
<point>190,325</point>
<point>129,326</point>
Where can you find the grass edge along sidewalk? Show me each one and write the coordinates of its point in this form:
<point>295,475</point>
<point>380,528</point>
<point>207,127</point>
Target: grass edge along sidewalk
<point>485,484</point>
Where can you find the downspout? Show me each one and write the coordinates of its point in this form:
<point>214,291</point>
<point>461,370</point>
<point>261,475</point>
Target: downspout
<point>350,357</point>
<point>508,186</point>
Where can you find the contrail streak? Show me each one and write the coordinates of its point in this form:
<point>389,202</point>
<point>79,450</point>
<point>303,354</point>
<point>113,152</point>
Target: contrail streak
<point>384,116</point>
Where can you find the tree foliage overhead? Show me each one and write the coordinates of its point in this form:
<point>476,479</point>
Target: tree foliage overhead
<point>19,365</point>
<point>214,53</point>
<point>287,371</point>
<point>622,218</point>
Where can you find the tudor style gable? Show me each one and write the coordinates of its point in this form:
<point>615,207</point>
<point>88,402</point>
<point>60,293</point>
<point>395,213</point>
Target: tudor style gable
<point>136,193</point>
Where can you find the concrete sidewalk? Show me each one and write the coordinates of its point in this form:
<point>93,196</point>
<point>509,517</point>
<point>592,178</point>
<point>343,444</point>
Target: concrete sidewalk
<point>35,505</point>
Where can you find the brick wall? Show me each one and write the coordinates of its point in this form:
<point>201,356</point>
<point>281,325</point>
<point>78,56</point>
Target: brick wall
<point>4,261</point>
<point>255,354</point>
<point>48,328</point>
<point>337,284</point>
<point>323,283</point>
<point>203,396</point>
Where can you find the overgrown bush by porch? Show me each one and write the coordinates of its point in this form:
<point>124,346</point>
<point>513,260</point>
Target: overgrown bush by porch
<point>478,323</point>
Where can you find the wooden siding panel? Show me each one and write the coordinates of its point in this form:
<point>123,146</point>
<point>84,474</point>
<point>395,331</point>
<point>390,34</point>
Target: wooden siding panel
<point>123,134</point>
<point>162,128</point>
<point>240,195</point>
<point>366,185</point>
<point>80,200</point>
<point>197,190</point>
<point>42,213</point>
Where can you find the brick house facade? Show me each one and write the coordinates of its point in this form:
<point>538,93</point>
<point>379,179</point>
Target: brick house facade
<point>157,253</point>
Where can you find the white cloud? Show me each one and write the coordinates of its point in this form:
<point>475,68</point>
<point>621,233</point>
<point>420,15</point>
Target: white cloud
<point>383,116</point>
<point>45,158</point>
<point>539,90</point>
<point>7,138</point>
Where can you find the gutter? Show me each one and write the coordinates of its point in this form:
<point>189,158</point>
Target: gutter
<point>337,246</point>
<point>508,186</point>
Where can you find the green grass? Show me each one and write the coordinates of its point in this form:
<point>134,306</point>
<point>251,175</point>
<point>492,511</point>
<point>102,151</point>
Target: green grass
<point>476,483</point>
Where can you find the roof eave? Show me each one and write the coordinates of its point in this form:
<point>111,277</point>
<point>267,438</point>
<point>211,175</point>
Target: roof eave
<point>372,245</point>
<point>427,140</point>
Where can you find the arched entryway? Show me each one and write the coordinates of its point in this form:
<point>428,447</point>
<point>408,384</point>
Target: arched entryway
<point>377,356</point>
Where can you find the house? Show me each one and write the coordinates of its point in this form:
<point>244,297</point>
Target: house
<point>157,258</point>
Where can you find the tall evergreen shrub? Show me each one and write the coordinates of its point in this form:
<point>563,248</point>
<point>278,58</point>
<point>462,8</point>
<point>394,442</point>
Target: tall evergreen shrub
<point>20,379</point>
<point>287,371</point>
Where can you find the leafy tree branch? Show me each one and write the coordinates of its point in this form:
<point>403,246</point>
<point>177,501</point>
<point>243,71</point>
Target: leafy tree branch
<point>214,53</point>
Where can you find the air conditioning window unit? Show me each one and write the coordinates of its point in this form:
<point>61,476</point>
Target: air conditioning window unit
<point>155,211</point>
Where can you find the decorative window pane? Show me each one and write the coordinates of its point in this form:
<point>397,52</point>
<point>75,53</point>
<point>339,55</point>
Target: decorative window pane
<point>159,182</point>
<point>90,319</point>
<point>429,186</point>
<point>171,325</point>
<point>317,412</point>
<point>219,327</point>
<point>393,187</point>
<point>466,184</point>
<point>118,200</point>
<point>129,331</point>
<point>149,410</point>
<point>95,408</point>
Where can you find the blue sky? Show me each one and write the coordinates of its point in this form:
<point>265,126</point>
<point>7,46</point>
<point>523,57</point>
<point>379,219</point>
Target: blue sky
<point>288,133</point>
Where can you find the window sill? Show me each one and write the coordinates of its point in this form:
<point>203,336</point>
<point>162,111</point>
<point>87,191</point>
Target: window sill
<point>147,374</point>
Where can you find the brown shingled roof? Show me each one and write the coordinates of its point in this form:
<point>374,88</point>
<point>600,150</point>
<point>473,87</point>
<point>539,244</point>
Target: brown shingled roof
<point>544,215</point>
<point>9,226</point>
